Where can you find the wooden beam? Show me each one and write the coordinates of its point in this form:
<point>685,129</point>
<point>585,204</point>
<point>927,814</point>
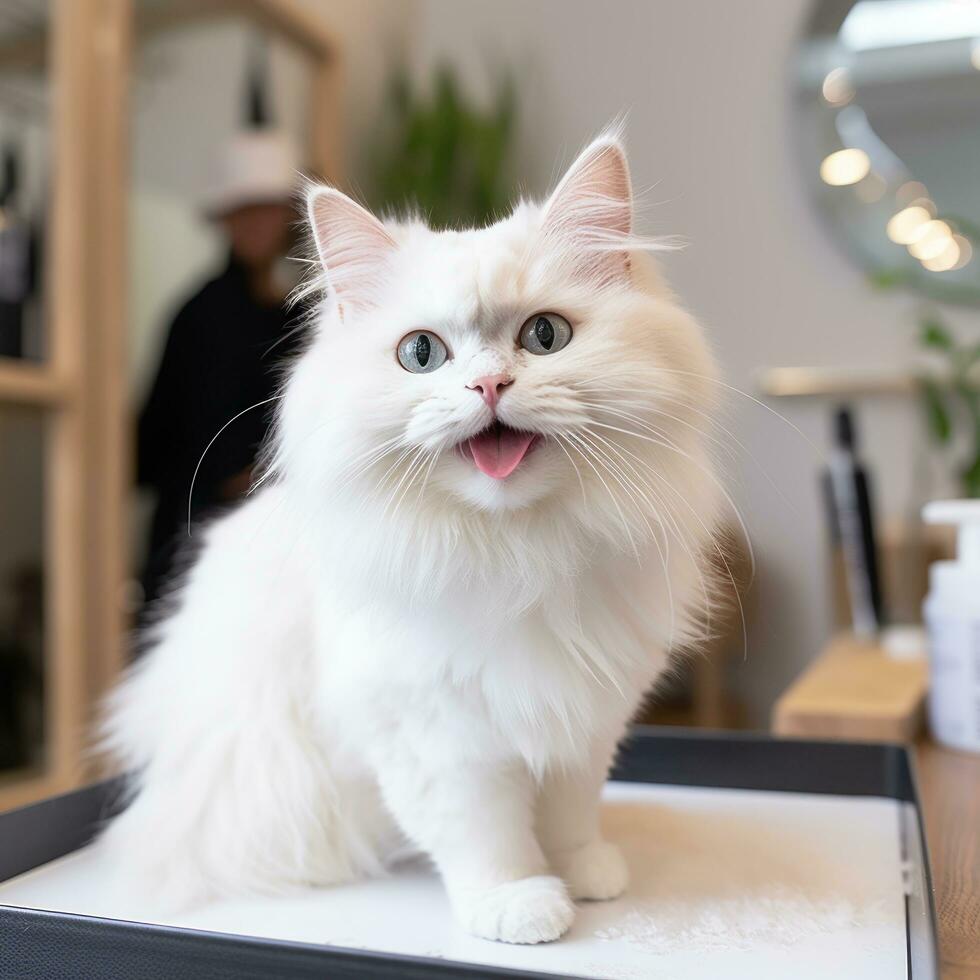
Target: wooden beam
<point>283,17</point>
<point>34,384</point>
<point>325,123</point>
<point>109,477</point>
<point>855,690</point>
<point>83,381</point>
<point>19,788</point>
<point>286,18</point>
<point>66,540</point>
<point>824,382</point>
<point>296,24</point>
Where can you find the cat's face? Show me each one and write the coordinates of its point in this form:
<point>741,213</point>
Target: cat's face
<point>536,362</point>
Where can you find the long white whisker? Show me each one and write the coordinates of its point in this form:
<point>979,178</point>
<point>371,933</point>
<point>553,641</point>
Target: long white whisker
<point>214,438</point>
<point>604,460</point>
<point>619,411</point>
<point>612,497</point>
<point>663,513</point>
<point>751,398</point>
<point>374,458</point>
<point>560,444</point>
<point>711,476</point>
<point>418,455</point>
<point>425,458</point>
<point>428,472</point>
<point>715,545</point>
<point>664,552</point>
<point>688,407</point>
<point>645,390</point>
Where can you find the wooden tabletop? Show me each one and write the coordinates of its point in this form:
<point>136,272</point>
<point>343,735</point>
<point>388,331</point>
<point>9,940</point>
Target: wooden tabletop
<point>949,784</point>
<point>854,690</point>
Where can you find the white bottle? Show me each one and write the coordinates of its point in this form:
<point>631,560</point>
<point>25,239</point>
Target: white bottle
<point>952,615</point>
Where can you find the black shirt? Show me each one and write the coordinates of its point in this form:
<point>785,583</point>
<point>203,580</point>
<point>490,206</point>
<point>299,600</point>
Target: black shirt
<point>224,353</point>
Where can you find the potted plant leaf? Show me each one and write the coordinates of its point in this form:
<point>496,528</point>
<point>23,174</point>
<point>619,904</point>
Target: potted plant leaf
<point>442,154</point>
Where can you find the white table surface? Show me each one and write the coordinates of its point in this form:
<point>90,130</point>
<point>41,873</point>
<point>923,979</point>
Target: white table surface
<point>725,883</point>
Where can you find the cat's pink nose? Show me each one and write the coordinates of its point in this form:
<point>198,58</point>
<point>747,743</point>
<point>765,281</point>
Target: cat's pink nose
<point>489,387</point>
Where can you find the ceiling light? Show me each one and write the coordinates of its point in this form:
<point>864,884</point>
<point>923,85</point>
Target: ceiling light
<point>837,88</point>
<point>946,259</point>
<point>904,226</point>
<point>845,167</point>
<point>931,239</point>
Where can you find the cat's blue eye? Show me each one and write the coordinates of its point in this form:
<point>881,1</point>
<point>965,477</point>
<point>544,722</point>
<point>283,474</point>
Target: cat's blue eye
<point>421,352</point>
<point>545,333</point>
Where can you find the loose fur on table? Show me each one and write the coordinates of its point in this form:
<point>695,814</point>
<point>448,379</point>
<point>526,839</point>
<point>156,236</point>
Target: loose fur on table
<point>388,645</point>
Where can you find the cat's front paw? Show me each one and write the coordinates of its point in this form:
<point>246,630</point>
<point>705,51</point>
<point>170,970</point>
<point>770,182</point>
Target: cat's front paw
<point>596,871</point>
<point>529,910</point>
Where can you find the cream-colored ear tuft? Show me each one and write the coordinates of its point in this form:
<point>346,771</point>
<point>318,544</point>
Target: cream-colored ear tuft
<point>592,209</point>
<point>353,245</point>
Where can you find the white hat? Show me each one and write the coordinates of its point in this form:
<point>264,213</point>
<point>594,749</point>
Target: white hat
<point>258,166</point>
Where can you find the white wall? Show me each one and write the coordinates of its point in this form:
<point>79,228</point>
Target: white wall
<point>371,35</point>
<point>707,89</point>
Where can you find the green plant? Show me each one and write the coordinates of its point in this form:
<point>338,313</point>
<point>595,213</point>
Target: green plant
<point>442,155</point>
<point>952,398</point>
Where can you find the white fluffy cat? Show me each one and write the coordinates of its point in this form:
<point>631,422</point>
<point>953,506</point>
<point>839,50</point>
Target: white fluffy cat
<point>484,527</point>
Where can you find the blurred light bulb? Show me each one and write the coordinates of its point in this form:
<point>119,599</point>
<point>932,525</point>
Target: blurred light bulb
<point>837,88</point>
<point>925,202</point>
<point>930,240</point>
<point>910,191</point>
<point>946,259</point>
<point>845,167</point>
<point>904,226</point>
<point>966,251</point>
<point>974,55</point>
<point>872,188</point>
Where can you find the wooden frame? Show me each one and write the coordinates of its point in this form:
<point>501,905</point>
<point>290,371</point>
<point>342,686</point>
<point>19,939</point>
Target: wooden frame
<point>283,17</point>
<point>83,482</point>
<point>81,387</point>
<point>834,382</point>
<point>31,384</point>
<point>295,24</point>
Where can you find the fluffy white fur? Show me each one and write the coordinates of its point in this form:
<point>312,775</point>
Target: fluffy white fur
<point>385,647</point>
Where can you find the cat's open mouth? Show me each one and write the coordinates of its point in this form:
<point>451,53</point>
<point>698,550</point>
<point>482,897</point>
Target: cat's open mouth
<point>499,449</point>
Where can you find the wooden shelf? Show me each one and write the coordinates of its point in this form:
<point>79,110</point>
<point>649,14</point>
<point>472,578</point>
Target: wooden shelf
<point>29,51</point>
<point>831,382</point>
<point>85,48</point>
<point>26,382</point>
<point>855,690</point>
<point>19,787</point>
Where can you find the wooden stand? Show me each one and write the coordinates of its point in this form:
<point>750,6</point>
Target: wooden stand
<point>855,690</point>
<point>86,49</point>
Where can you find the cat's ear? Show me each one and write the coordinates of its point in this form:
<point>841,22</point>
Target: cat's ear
<point>353,246</point>
<point>591,210</point>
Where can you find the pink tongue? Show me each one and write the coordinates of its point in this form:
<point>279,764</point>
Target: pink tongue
<point>498,451</point>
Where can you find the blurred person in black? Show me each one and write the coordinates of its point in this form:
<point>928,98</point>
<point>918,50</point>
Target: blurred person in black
<point>224,352</point>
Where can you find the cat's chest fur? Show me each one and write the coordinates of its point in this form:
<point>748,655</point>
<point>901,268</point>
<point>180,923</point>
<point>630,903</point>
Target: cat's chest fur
<point>465,672</point>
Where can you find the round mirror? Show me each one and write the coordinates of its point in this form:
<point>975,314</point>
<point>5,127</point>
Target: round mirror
<point>889,111</point>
